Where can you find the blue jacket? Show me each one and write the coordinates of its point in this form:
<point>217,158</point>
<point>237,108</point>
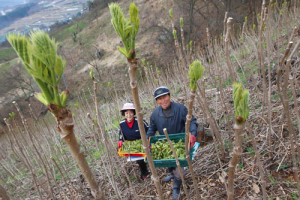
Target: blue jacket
<point>175,123</point>
<point>132,133</point>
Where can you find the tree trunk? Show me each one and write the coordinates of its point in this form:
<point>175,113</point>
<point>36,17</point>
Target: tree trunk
<point>178,164</point>
<point>187,145</point>
<point>134,88</point>
<point>65,125</point>
<point>3,194</point>
<point>237,152</point>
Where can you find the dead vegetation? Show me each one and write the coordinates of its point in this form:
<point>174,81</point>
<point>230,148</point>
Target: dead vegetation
<point>269,163</point>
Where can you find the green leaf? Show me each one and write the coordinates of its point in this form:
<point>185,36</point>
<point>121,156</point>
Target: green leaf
<point>123,51</point>
<point>45,72</point>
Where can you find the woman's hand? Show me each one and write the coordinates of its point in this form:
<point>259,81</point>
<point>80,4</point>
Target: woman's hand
<point>120,144</point>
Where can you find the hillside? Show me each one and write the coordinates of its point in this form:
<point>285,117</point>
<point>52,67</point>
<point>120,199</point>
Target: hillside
<point>36,163</point>
<point>95,34</point>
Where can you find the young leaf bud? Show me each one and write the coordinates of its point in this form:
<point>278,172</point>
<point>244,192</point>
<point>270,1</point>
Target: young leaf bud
<point>41,98</point>
<point>171,13</point>
<point>64,95</point>
<point>175,34</point>
<point>92,74</point>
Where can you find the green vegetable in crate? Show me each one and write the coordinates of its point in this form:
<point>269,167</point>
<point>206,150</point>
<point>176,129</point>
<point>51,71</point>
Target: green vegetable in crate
<point>135,146</point>
<point>161,150</point>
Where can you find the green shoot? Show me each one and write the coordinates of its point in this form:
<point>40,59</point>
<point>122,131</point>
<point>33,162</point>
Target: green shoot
<point>39,55</point>
<point>171,13</point>
<point>196,70</point>
<point>241,101</point>
<point>181,22</point>
<point>127,29</point>
<point>175,34</point>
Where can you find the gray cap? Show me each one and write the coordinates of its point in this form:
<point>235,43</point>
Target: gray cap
<point>160,91</point>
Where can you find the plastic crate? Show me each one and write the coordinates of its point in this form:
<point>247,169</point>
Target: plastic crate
<point>171,162</point>
<point>121,154</point>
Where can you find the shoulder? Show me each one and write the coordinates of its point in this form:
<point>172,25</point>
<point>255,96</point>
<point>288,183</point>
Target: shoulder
<point>177,105</point>
<point>122,122</point>
<point>145,123</point>
<point>156,110</point>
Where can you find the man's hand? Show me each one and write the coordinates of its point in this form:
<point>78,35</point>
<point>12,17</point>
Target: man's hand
<point>193,140</point>
<point>120,144</point>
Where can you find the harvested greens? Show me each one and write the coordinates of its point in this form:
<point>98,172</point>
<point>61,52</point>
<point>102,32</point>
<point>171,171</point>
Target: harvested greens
<point>135,146</point>
<point>162,150</point>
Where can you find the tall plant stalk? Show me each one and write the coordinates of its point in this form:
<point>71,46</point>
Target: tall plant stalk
<point>100,126</point>
<point>269,75</point>
<point>261,56</point>
<point>178,164</point>
<point>195,72</point>
<point>259,163</point>
<point>227,56</point>
<point>35,149</point>
<point>127,30</point>
<point>3,194</point>
<point>39,56</point>
<point>292,135</point>
<point>27,163</point>
<point>241,101</point>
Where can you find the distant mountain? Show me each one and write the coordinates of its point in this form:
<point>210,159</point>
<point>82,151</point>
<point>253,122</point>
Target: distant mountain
<point>9,3</point>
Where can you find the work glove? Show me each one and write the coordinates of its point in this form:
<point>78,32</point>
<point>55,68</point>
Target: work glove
<point>120,144</point>
<point>193,140</point>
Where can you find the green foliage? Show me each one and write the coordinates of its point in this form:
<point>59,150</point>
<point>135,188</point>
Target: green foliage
<point>76,27</point>
<point>158,71</point>
<point>273,181</point>
<point>196,70</point>
<point>17,13</point>
<point>258,16</point>
<point>251,151</point>
<point>227,144</point>
<point>162,150</point>
<point>39,56</point>
<point>241,101</point>
<point>181,22</point>
<point>294,196</point>
<point>127,29</point>
<point>144,62</point>
<point>12,115</point>
<point>7,54</point>
<point>241,166</point>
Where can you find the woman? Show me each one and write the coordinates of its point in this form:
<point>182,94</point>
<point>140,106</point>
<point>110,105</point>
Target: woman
<point>130,129</point>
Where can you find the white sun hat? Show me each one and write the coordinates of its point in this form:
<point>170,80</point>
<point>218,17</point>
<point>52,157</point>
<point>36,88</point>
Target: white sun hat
<point>128,106</point>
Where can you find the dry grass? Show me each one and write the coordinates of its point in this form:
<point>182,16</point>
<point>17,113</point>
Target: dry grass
<point>210,173</point>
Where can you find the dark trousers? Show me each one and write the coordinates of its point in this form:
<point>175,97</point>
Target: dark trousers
<point>143,167</point>
<point>171,169</point>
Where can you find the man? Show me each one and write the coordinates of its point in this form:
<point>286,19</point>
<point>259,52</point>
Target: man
<point>171,116</point>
